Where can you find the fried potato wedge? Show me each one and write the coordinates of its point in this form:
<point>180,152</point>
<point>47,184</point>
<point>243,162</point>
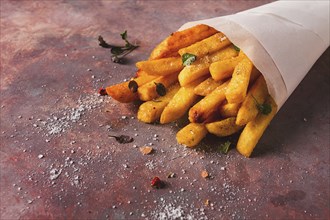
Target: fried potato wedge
<point>180,39</point>
<point>122,93</point>
<point>203,109</point>
<point>161,67</point>
<point>257,94</point>
<point>180,103</point>
<point>253,131</point>
<point>151,111</point>
<point>228,110</point>
<point>191,134</point>
<point>239,82</point>
<point>206,87</point>
<point>148,91</point>
<point>224,127</point>
<point>201,67</point>
<point>207,46</point>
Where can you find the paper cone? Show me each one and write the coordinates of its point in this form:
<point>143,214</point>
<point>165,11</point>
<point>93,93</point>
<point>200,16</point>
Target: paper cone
<point>283,39</point>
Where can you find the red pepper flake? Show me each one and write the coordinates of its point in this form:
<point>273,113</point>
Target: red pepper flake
<point>103,92</point>
<point>157,183</point>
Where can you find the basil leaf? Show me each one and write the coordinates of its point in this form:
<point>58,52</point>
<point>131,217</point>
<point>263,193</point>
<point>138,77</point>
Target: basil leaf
<point>188,59</point>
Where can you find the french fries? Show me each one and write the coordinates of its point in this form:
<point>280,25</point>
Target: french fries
<point>180,103</point>
<point>228,110</point>
<point>253,131</point>
<point>219,87</point>
<point>207,86</point>
<point>207,46</point>
<point>239,82</point>
<point>161,67</point>
<point>151,111</point>
<point>180,39</point>
<point>200,68</point>
<point>204,108</point>
<point>257,94</point>
<point>191,134</point>
<point>122,93</point>
<point>224,127</point>
<point>223,69</point>
<point>148,91</point>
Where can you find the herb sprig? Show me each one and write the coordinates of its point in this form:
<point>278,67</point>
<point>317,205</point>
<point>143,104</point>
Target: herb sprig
<point>118,52</point>
<point>264,108</point>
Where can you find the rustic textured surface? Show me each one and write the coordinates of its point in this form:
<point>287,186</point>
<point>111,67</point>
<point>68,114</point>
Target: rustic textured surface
<point>57,161</point>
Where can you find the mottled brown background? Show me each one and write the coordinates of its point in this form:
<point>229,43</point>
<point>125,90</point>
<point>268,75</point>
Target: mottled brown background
<point>51,65</point>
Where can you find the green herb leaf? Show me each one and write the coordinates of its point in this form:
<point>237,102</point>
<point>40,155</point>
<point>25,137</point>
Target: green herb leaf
<point>133,86</point>
<point>104,44</point>
<point>224,148</point>
<point>188,59</point>
<point>160,89</point>
<point>264,108</point>
<point>236,48</point>
<point>124,35</point>
<point>118,52</point>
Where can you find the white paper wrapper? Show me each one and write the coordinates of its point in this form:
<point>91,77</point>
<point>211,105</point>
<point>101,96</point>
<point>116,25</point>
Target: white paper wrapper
<point>283,39</point>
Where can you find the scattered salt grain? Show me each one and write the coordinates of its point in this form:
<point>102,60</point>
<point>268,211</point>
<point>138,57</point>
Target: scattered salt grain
<point>40,156</point>
<point>62,122</point>
<point>55,173</point>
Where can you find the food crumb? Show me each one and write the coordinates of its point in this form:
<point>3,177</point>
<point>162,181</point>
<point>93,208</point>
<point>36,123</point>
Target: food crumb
<point>205,174</point>
<point>146,150</point>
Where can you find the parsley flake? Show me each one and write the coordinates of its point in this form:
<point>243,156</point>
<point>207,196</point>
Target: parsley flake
<point>224,148</point>
<point>264,108</point>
